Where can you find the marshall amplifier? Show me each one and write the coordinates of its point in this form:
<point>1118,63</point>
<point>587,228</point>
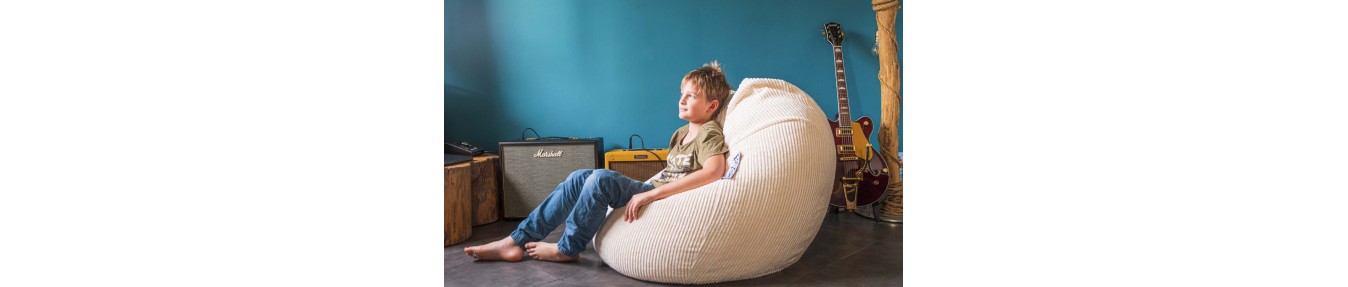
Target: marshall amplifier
<point>531,169</point>
<point>638,164</point>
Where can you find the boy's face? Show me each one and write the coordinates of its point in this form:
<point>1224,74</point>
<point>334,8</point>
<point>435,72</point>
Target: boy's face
<point>693,105</point>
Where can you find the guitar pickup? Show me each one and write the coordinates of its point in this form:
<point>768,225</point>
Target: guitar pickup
<point>843,132</point>
<point>846,149</point>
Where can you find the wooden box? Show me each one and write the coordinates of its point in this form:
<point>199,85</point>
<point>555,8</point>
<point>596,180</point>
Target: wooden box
<point>458,203</point>
<point>486,189</point>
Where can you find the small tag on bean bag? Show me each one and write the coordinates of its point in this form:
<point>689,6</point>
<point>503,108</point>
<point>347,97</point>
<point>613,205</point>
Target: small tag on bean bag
<point>734,164</point>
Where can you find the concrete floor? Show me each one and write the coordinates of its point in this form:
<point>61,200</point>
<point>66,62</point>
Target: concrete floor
<point>848,251</point>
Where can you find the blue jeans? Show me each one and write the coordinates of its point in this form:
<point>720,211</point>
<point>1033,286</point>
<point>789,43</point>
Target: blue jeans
<point>583,201</point>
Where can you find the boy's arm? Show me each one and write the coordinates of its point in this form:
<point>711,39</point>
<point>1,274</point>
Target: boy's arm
<point>712,169</point>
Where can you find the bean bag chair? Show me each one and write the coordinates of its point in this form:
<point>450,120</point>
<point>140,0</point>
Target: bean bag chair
<point>756,223</point>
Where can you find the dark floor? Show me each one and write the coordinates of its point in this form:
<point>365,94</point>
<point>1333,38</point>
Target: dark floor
<point>848,251</point>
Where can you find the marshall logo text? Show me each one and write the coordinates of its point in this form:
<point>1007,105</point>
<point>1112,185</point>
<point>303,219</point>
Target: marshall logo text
<point>542,153</point>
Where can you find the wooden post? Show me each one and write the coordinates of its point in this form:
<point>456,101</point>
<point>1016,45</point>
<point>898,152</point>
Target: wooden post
<point>888,49</point>
<point>458,197</point>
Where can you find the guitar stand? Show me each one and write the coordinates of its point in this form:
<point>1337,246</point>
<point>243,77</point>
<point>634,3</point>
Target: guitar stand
<point>873,216</point>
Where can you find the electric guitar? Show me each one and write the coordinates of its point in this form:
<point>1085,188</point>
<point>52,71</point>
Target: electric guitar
<point>862,177</point>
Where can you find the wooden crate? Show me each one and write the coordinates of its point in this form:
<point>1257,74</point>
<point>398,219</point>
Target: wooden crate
<point>486,189</point>
<point>458,203</point>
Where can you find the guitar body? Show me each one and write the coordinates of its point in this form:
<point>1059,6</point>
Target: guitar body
<point>872,171</point>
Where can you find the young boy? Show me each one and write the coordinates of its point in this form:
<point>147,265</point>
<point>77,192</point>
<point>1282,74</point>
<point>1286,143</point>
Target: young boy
<point>696,158</point>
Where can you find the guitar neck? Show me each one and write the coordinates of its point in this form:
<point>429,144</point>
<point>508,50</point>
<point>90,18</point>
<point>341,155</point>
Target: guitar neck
<point>844,115</point>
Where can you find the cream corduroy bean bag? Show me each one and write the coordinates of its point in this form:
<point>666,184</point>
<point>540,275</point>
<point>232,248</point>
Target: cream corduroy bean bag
<point>754,224</point>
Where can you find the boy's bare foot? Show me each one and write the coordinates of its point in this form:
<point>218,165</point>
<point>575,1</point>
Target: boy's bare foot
<point>504,249</point>
<point>548,251</point>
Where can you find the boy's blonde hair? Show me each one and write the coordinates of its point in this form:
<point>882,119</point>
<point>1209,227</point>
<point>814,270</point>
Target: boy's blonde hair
<point>712,82</point>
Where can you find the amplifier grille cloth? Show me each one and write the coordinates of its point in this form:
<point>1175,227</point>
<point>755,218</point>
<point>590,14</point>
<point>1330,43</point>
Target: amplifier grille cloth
<point>638,170</point>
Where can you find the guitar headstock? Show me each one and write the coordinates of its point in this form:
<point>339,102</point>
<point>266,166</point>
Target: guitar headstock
<point>833,33</point>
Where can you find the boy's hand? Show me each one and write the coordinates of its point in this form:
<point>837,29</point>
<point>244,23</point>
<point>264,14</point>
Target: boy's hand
<point>634,205</point>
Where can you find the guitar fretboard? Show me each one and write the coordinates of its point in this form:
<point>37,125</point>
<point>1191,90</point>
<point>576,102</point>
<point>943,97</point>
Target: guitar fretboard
<point>844,115</point>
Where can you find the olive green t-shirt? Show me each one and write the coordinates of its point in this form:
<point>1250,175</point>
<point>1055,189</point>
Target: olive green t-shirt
<point>685,159</point>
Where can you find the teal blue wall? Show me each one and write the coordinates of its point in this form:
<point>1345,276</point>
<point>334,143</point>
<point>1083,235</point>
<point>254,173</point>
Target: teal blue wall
<point>612,68</point>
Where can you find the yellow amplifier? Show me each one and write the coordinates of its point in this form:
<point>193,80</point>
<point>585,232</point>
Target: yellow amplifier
<point>638,164</point>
